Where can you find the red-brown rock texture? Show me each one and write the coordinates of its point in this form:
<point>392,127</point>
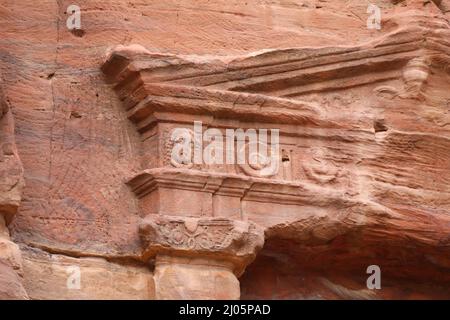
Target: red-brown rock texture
<point>92,206</point>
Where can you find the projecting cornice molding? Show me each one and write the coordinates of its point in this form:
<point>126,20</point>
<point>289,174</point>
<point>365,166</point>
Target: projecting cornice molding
<point>242,187</point>
<point>265,86</point>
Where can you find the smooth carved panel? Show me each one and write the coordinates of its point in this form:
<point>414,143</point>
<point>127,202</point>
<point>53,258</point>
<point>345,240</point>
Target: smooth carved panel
<point>197,279</point>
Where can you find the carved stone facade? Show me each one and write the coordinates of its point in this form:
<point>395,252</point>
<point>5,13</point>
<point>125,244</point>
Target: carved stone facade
<point>359,174</point>
<point>275,89</point>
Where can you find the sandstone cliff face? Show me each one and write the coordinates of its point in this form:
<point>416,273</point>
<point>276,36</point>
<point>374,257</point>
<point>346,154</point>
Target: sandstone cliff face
<point>11,183</point>
<point>364,119</point>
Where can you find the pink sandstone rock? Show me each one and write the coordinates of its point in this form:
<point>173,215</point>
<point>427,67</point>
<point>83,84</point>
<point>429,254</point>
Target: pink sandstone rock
<point>88,182</point>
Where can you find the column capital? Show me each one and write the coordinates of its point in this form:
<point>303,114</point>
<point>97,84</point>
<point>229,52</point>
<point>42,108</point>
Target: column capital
<point>231,241</point>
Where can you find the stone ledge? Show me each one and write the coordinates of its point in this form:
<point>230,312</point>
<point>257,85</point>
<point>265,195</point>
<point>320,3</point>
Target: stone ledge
<point>233,185</point>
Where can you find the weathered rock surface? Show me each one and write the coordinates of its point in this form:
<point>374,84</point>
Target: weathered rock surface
<point>364,120</point>
<point>11,282</point>
<point>11,183</point>
<point>11,287</point>
<point>55,276</point>
<point>11,171</point>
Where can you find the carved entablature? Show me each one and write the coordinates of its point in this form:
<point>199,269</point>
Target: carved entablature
<point>328,105</point>
<point>185,192</point>
<point>236,242</point>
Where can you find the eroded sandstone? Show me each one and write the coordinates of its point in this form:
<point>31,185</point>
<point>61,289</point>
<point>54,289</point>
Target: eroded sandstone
<point>364,158</point>
<point>11,183</point>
